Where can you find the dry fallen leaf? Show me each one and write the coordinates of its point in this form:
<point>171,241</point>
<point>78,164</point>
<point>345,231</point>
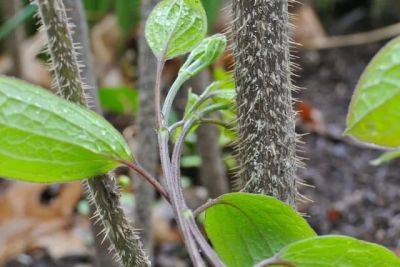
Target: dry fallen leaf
<point>30,212</point>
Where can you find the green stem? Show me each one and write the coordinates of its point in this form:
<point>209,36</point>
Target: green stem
<point>166,110</point>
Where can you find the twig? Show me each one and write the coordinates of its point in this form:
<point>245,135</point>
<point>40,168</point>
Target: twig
<point>353,39</point>
<point>149,178</point>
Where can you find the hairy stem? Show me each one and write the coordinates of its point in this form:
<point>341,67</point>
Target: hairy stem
<point>103,190</point>
<point>266,122</point>
<point>80,35</point>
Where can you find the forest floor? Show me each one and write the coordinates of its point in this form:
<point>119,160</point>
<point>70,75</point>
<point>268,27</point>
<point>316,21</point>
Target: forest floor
<point>350,196</point>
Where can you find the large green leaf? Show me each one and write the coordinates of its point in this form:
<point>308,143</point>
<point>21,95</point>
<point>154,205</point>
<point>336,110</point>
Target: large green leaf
<point>44,138</point>
<point>247,228</point>
<point>335,251</point>
<point>176,26</point>
<point>374,114</point>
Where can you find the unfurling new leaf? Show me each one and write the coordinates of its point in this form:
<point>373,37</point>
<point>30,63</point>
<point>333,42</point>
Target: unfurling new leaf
<point>175,27</point>
<point>204,55</point>
<point>44,138</point>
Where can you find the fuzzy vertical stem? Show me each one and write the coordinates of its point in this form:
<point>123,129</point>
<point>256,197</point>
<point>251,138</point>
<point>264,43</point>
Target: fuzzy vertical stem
<point>147,154</point>
<point>80,35</point>
<point>103,190</point>
<point>266,120</point>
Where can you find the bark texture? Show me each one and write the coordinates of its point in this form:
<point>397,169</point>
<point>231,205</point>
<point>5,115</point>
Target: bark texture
<point>147,152</point>
<point>104,193</point>
<point>212,169</point>
<point>266,119</point>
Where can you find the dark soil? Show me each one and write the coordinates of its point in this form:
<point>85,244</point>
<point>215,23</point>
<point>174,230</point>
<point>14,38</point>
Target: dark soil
<point>350,196</point>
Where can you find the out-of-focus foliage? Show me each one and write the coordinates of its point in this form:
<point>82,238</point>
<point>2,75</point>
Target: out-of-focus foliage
<point>212,8</point>
<point>16,20</point>
<point>121,100</point>
<point>384,10</point>
<point>128,14</point>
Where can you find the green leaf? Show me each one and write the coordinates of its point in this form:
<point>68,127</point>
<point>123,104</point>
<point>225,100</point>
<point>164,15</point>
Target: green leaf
<point>204,55</point>
<point>16,20</point>
<point>374,114</point>
<point>121,100</point>
<point>385,158</point>
<point>44,138</point>
<point>334,251</point>
<point>247,228</point>
<point>177,26</point>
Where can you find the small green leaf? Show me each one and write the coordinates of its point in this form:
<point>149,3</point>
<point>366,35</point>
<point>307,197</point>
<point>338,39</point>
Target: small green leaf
<point>44,138</point>
<point>176,26</point>
<point>334,251</point>
<point>204,55</point>
<point>247,228</point>
<point>121,100</point>
<point>385,158</point>
<point>374,114</point>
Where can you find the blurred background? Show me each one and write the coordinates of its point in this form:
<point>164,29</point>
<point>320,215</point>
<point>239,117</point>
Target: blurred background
<point>48,225</point>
